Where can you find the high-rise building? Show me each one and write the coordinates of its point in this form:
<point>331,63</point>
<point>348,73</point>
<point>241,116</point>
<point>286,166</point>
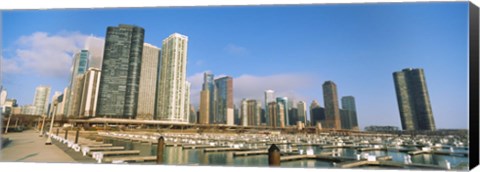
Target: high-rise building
<point>148,82</point>
<point>244,112</point>
<point>236,113</point>
<point>193,115</point>
<point>413,100</point>
<point>89,99</point>
<point>173,91</point>
<point>253,112</point>
<point>209,84</point>
<point>345,119</point>
<point>80,63</point>
<point>224,100</point>
<point>204,107</point>
<point>120,79</point>
<point>276,115</point>
<point>292,116</point>
<point>269,97</point>
<point>332,111</point>
<point>40,101</point>
<point>317,114</point>
<point>348,103</point>
<point>284,101</point>
<point>281,114</point>
<point>76,96</point>
<point>62,106</point>
<point>302,111</point>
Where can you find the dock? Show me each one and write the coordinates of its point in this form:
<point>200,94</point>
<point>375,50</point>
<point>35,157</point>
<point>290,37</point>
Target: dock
<point>106,148</point>
<point>125,152</point>
<point>130,159</point>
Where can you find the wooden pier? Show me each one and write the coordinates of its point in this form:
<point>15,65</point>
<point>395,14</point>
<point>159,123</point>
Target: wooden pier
<point>130,159</point>
<point>125,152</point>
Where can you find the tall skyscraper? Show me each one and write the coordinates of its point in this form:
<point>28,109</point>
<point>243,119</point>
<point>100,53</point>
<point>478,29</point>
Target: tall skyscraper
<point>284,101</point>
<point>40,101</point>
<point>204,107</point>
<point>317,114</point>
<point>209,84</point>
<point>193,115</point>
<point>253,112</point>
<point>413,100</point>
<point>332,111</point>
<point>302,111</point>
<point>244,112</point>
<point>148,82</point>
<point>120,79</point>
<point>173,96</point>
<point>80,63</point>
<point>269,97</point>
<point>224,100</point>
<point>62,106</point>
<point>277,118</point>
<point>91,84</point>
<point>76,96</point>
<point>348,103</point>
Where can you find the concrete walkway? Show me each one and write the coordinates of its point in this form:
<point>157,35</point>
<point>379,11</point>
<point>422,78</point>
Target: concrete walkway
<point>27,146</point>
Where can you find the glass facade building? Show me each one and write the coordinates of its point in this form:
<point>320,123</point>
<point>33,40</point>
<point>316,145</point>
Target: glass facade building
<point>284,102</point>
<point>413,100</point>
<point>224,100</point>
<point>348,103</point>
<point>120,79</point>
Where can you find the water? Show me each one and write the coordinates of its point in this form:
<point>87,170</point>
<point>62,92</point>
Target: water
<point>179,156</point>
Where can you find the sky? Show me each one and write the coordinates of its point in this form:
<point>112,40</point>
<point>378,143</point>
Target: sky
<point>290,49</point>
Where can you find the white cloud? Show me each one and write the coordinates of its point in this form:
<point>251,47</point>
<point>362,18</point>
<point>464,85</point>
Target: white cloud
<point>253,87</point>
<point>236,50</point>
<point>43,54</point>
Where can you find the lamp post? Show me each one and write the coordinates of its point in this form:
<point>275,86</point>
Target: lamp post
<point>8,123</point>
<point>49,139</point>
<point>43,125</point>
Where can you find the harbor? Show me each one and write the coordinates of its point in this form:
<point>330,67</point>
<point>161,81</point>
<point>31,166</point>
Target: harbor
<point>294,150</point>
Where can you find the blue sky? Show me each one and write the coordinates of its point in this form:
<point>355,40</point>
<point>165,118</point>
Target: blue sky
<point>290,49</point>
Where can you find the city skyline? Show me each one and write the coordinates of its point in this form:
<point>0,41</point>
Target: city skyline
<point>295,81</point>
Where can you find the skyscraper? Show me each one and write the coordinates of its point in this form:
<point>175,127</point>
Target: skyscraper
<point>348,103</point>
<point>148,82</point>
<point>204,107</point>
<point>284,102</point>
<point>80,63</point>
<point>76,96</point>
<point>413,100</point>
<point>120,79</point>
<point>209,84</point>
<point>243,112</point>
<point>253,112</point>
<point>317,114</point>
<point>332,111</point>
<point>40,101</point>
<point>193,115</point>
<point>302,111</point>
<point>269,97</point>
<point>173,93</point>
<point>224,100</point>
<point>91,84</point>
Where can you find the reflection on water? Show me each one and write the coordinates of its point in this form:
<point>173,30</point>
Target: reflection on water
<point>179,156</point>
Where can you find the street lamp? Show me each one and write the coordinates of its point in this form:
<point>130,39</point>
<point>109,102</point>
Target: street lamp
<point>43,124</point>
<point>49,139</point>
<point>8,123</point>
